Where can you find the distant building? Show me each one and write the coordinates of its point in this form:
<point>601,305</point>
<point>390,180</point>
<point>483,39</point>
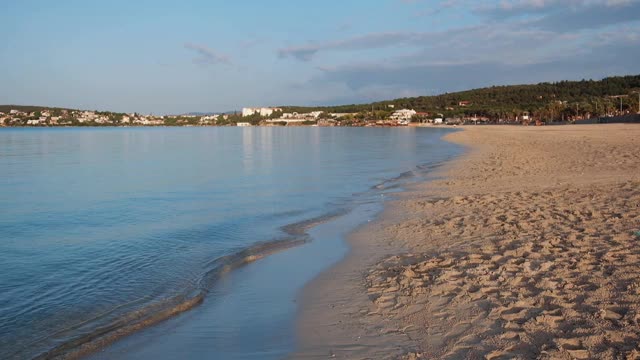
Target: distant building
<point>464,103</point>
<point>306,116</point>
<point>208,119</point>
<point>339,115</point>
<point>101,120</point>
<point>403,115</point>
<point>261,111</point>
<point>243,124</point>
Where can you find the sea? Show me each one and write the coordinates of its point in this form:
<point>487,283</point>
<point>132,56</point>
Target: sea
<point>190,243</point>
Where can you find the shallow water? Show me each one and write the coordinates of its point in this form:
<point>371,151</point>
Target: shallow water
<point>98,226</point>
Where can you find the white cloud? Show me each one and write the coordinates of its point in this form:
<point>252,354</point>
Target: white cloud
<point>207,56</point>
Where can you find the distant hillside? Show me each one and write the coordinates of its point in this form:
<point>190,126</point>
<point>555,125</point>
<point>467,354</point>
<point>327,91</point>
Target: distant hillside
<point>585,95</point>
<point>28,108</point>
<point>560,100</point>
<point>32,108</point>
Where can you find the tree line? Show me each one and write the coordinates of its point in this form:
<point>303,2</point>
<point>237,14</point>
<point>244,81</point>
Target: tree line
<point>546,100</point>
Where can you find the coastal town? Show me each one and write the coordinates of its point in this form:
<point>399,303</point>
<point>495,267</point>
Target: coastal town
<point>263,116</point>
<point>269,116</point>
<point>563,102</point>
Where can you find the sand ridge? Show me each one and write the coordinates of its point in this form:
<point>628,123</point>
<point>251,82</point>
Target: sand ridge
<point>527,247</point>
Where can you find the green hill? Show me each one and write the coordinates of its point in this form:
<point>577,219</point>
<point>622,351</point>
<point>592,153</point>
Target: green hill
<point>546,101</point>
<point>580,97</point>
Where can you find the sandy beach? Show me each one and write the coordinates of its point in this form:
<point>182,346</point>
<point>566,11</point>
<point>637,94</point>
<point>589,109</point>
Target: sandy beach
<point>525,247</point>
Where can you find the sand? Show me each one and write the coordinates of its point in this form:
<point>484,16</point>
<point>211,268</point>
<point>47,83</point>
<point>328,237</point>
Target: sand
<point>526,247</point>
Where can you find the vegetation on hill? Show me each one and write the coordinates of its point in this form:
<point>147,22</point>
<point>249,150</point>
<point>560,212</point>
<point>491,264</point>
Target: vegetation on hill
<point>564,98</point>
<point>545,102</point>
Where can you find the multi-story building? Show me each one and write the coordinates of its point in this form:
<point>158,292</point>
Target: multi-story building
<point>261,111</point>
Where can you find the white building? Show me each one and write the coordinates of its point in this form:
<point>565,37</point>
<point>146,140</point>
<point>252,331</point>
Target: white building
<point>309,116</point>
<point>243,124</point>
<point>261,111</point>
<point>403,115</point>
<point>339,115</point>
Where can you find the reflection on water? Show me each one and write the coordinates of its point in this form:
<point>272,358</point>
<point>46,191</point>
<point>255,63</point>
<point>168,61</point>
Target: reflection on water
<point>99,223</point>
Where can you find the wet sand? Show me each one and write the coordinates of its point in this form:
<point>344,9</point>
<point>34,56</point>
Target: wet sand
<point>526,247</point>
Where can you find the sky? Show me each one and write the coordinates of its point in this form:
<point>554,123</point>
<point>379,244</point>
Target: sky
<point>172,57</point>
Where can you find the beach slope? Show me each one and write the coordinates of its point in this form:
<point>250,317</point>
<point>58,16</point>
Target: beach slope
<point>525,247</point>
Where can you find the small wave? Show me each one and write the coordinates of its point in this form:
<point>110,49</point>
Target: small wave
<point>162,310</point>
<point>385,184</point>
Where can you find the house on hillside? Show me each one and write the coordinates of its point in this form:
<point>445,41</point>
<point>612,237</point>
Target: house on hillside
<point>339,115</point>
<point>260,111</point>
<point>404,114</point>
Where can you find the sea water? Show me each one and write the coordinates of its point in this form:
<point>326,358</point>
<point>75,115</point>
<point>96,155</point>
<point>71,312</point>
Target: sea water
<point>105,232</point>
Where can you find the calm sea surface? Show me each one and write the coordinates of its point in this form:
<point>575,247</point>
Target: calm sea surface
<point>104,230</point>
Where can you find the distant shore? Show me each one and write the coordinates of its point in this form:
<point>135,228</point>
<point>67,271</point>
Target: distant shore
<point>525,247</point>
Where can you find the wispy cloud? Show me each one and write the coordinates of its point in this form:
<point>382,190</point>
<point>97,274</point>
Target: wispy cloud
<point>367,41</point>
<point>207,56</point>
<point>606,13</point>
<point>486,55</point>
<point>538,24</point>
<point>565,15</point>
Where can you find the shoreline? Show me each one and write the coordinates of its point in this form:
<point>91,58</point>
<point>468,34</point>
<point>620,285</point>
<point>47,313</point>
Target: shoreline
<point>128,324</point>
<point>329,322</point>
<point>438,274</point>
<point>116,339</point>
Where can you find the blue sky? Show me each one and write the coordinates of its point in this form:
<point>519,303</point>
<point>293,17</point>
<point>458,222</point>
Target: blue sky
<point>166,57</point>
